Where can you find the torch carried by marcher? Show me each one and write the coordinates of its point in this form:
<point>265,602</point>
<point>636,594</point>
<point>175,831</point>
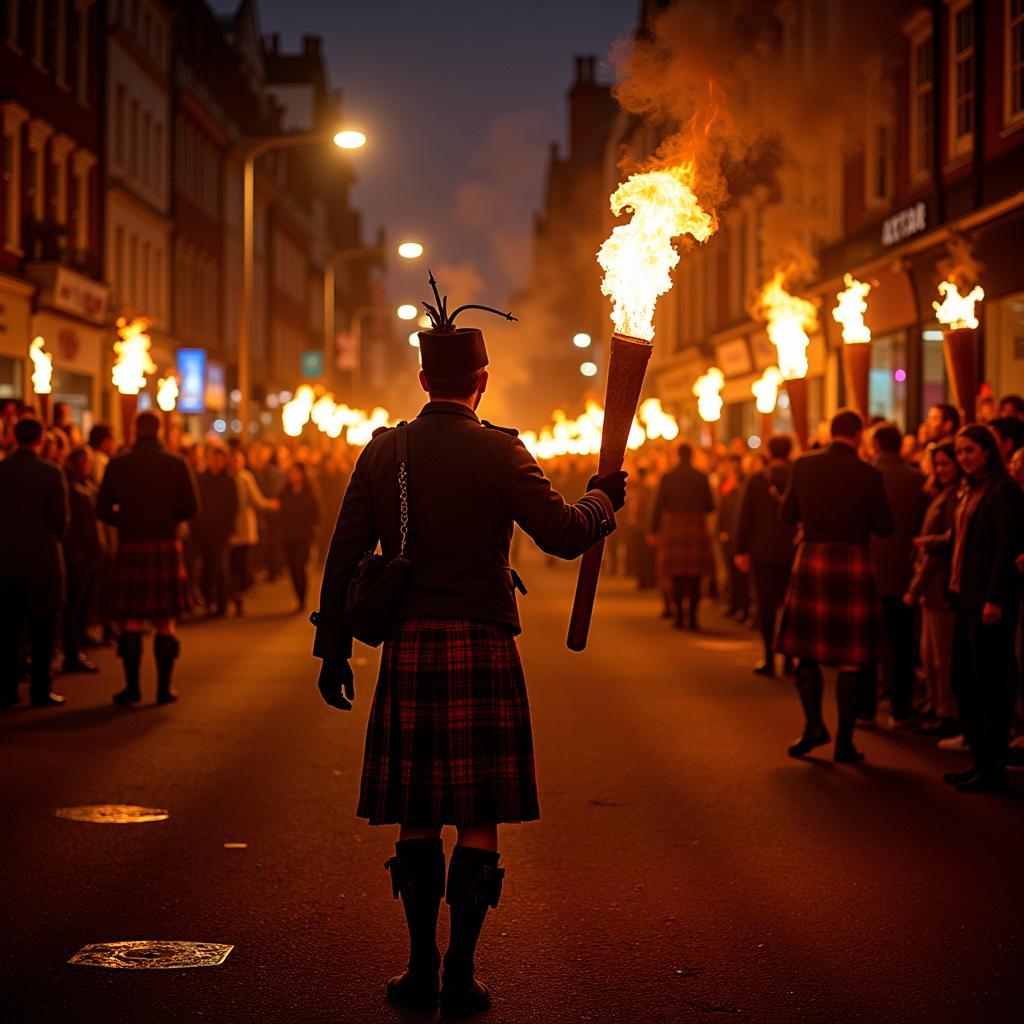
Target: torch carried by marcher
<point>960,342</point>
<point>130,368</point>
<point>166,399</point>
<point>637,259</point>
<point>42,376</point>
<point>849,312</point>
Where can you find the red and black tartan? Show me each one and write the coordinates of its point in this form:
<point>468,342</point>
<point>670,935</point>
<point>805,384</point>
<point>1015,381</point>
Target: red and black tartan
<point>832,612</point>
<point>684,545</point>
<point>150,581</point>
<point>449,740</point>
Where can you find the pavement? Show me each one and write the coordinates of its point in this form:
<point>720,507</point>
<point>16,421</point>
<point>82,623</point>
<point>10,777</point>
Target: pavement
<point>685,869</point>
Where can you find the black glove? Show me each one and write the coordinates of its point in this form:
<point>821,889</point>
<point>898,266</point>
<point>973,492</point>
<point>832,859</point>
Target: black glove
<point>336,684</point>
<point>614,485</point>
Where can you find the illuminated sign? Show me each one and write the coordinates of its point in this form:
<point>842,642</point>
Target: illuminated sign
<point>311,364</point>
<point>911,221</point>
<point>192,371</point>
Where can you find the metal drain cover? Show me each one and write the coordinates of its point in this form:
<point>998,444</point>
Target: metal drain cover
<point>113,814</point>
<point>151,955</point>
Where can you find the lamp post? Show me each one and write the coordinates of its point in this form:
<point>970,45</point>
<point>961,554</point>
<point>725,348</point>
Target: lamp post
<point>252,150</point>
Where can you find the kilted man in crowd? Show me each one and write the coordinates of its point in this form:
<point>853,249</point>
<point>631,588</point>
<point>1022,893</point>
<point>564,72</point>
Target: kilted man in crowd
<point>146,493</point>
<point>832,612</point>
<point>681,535</point>
<point>449,740</point>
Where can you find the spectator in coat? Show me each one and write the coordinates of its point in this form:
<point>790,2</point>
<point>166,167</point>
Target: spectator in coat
<point>300,513</point>
<point>82,553</point>
<point>243,541</point>
<point>730,494</point>
<point>33,518</point>
<point>218,503</point>
<point>892,558</point>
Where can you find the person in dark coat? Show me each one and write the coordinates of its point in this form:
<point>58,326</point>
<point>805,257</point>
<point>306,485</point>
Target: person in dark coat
<point>449,740</point>
<point>831,615</point>
<point>218,503</point>
<point>82,554</point>
<point>680,530</point>
<point>985,590</point>
<point>33,518</point>
<point>764,544</point>
<point>147,492</point>
<point>300,513</point>
<point>892,558</point>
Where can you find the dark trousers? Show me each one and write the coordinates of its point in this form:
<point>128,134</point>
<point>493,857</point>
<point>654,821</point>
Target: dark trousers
<point>239,562</point>
<point>984,682</point>
<point>296,554</point>
<point>81,581</point>
<point>18,623</point>
<point>214,577</point>
<point>686,588</point>
<point>899,660</point>
<point>770,581</point>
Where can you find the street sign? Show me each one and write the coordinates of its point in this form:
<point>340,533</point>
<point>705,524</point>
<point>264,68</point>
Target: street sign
<point>312,364</point>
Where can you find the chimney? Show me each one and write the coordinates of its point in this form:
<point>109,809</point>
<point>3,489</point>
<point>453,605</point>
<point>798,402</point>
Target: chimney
<point>311,46</point>
<point>585,99</point>
<point>275,43</point>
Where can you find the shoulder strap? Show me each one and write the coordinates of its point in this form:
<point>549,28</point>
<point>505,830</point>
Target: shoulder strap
<point>402,464</point>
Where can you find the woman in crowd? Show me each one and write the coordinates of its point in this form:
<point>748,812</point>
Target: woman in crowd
<point>987,536</point>
<point>55,447</point>
<point>300,514</point>
<point>243,541</point>
<point>928,589</point>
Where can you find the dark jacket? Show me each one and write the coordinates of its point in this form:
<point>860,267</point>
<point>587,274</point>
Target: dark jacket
<point>299,515</point>
<point>218,501</point>
<point>995,537</point>
<point>761,533</point>
<point>931,570</point>
<point>82,543</point>
<point>33,518</point>
<point>836,497</point>
<point>893,556</point>
<point>683,489</point>
<point>468,484</point>
<point>147,492</point>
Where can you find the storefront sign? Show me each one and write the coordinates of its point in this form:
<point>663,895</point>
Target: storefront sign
<point>733,357</point>
<point>192,371</point>
<point>311,365</point>
<point>911,221</point>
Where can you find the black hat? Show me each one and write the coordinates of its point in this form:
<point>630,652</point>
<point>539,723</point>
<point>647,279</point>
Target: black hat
<point>454,352</point>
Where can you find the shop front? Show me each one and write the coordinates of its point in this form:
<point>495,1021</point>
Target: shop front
<point>15,316</point>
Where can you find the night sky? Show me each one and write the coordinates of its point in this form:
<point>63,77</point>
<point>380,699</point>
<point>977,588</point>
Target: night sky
<point>460,99</point>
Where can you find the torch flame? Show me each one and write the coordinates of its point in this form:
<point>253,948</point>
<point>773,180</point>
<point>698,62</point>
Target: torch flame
<point>789,319</point>
<point>638,258</point>
<point>295,414</point>
<point>42,367</point>
<point>956,310</point>
<point>133,360</point>
<point>766,389</point>
<point>167,393</point>
<point>708,388</point>
<point>657,423</point>
<point>851,309</point>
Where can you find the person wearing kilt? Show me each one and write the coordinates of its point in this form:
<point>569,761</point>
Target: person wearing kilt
<point>832,612</point>
<point>146,493</point>
<point>449,740</point>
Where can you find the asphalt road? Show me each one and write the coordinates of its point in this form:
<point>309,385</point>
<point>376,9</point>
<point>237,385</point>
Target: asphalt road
<point>685,868</point>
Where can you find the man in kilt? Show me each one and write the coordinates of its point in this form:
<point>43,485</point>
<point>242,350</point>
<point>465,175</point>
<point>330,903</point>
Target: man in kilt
<point>147,492</point>
<point>449,740</point>
<point>832,611</point>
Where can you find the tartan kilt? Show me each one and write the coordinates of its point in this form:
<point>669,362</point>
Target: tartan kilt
<point>684,546</point>
<point>449,740</point>
<point>832,612</point>
<point>149,580</point>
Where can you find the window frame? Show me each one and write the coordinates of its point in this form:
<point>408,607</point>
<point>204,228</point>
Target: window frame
<point>959,147</point>
<point>1012,119</point>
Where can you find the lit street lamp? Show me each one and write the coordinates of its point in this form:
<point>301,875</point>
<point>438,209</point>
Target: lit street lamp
<point>407,311</point>
<point>588,369</point>
<point>581,340</point>
<point>410,250</point>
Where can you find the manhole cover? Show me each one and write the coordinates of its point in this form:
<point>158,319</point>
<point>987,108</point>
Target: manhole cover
<point>113,814</point>
<point>151,955</point>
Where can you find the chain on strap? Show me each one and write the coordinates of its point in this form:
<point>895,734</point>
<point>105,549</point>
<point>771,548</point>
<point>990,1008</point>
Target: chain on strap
<point>403,493</point>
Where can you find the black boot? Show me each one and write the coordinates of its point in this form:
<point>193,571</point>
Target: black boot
<point>848,686</point>
<point>166,648</point>
<point>417,875</point>
<point>474,884</point>
<point>809,686</point>
<point>129,650</point>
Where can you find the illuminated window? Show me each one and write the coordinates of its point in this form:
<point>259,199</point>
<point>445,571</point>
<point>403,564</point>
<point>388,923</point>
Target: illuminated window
<point>1014,60</point>
<point>962,78</point>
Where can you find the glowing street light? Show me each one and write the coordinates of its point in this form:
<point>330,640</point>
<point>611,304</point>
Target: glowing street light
<point>424,322</point>
<point>588,369</point>
<point>414,339</point>
<point>350,139</point>
<point>407,311</point>
<point>410,250</point>
<point>581,340</point>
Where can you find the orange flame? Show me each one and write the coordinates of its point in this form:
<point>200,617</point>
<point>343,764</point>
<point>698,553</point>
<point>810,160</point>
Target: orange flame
<point>851,309</point>
<point>789,319</point>
<point>708,389</point>
<point>42,367</point>
<point>638,258</point>
<point>956,310</point>
<point>167,392</point>
<point>766,389</point>
<point>133,361</point>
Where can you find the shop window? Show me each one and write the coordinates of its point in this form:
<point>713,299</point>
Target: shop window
<point>961,78</point>
<point>933,370</point>
<point>922,109</point>
<point>888,380</point>
<point>10,377</point>
<point>1014,63</point>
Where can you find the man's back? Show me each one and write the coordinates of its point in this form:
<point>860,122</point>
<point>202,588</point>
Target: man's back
<point>33,512</point>
<point>892,556</point>
<point>685,489</point>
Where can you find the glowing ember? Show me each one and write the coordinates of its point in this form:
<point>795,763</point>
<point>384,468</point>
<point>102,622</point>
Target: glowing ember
<point>296,413</point>
<point>167,393</point>
<point>851,309</point>
<point>42,367</point>
<point>708,389</point>
<point>133,361</point>
<point>638,258</point>
<point>789,319</point>
<point>766,389</point>
<point>956,310</point>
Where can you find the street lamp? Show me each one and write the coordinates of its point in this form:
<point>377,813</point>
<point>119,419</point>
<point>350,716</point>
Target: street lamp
<point>410,250</point>
<point>581,340</point>
<point>414,339</point>
<point>407,311</point>
<point>588,369</point>
<point>252,150</point>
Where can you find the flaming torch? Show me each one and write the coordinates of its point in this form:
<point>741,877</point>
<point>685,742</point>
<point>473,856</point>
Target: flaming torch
<point>166,399</point>
<point>766,393</point>
<point>708,389</point>
<point>789,319</point>
<point>42,374</point>
<point>849,312</point>
<point>960,341</point>
<point>131,366</point>
<point>638,259</point>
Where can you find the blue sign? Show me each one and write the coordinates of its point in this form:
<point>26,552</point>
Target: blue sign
<point>192,371</point>
<point>312,365</point>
